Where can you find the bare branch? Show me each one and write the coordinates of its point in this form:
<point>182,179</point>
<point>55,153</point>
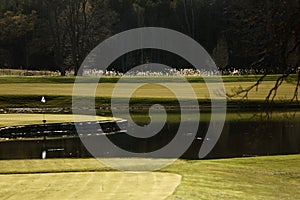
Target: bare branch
<point>295,97</point>
<point>245,92</point>
<point>273,91</point>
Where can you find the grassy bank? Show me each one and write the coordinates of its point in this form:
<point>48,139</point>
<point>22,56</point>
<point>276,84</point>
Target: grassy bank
<point>275,177</point>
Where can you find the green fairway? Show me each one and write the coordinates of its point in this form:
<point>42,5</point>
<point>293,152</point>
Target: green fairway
<point>285,92</point>
<point>27,91</point>
<point>276,177</point>
<point>27,119</point>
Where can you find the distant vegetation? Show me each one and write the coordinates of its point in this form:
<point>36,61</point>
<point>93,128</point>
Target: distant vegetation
<point>58,34</point>
<point>17,76</point>
<point>243,38</point>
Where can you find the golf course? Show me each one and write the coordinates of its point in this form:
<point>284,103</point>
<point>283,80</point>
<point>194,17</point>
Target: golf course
<point>266,177</point>
<point>149,100</point>
<point>276,177</point>
<point>18,92</point>
<point>60,86</point>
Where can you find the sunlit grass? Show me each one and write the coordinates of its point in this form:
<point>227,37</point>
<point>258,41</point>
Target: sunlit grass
<point>27,119</point>
<point>88,185</point>
<point>276,177</point>
<point>285,92</point>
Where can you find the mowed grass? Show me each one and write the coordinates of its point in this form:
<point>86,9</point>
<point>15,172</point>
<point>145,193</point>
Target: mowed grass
<point>276,177</point>
<point>88,185</point>
<point>28,119</point>
<point>27,91</point>
<point>285,92</point>
<point>271,178</point>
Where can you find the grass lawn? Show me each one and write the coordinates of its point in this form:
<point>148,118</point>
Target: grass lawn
<point>27,119</point>
<point>27,91</point>
<point>276,177</point>
<point>88,185</point>
<point>285,92</point>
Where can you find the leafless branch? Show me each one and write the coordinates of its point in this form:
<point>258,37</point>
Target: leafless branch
<point>295,97</point>
<point>245,92</point>
<point>273,91</point>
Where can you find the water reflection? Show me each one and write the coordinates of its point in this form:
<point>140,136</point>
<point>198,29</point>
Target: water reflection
<point>244,134</point>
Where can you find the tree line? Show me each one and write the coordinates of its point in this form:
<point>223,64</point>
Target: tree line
<point>58,34</point>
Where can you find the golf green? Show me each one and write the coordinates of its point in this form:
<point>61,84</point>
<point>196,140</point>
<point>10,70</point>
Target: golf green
<point>28,119</point>
<point>88,185</point>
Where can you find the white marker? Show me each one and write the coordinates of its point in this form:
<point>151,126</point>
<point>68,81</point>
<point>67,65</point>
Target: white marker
<point>44,154</point>
<point>43,100</point>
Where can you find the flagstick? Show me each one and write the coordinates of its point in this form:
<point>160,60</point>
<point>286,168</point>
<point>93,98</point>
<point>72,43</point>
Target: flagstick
<point>44,152</point>
<point>44,117</point>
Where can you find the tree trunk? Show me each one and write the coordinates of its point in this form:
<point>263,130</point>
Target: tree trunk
<point>63,71</point>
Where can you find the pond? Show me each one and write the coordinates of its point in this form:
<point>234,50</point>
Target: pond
<point>244,134</point>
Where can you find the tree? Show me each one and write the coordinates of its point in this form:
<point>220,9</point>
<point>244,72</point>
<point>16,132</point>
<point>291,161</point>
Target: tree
<point>76,27</point>
<point>221,53</point>
<point>259,32</point>
<point>15,35</point>
<point>266,35</point>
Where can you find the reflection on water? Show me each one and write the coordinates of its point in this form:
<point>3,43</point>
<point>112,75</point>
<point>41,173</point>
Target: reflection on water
<point>244,134</point>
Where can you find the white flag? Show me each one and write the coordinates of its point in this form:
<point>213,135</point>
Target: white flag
<point>43,100</point>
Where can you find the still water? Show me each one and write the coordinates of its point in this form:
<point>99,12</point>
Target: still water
<point>244,134</point>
